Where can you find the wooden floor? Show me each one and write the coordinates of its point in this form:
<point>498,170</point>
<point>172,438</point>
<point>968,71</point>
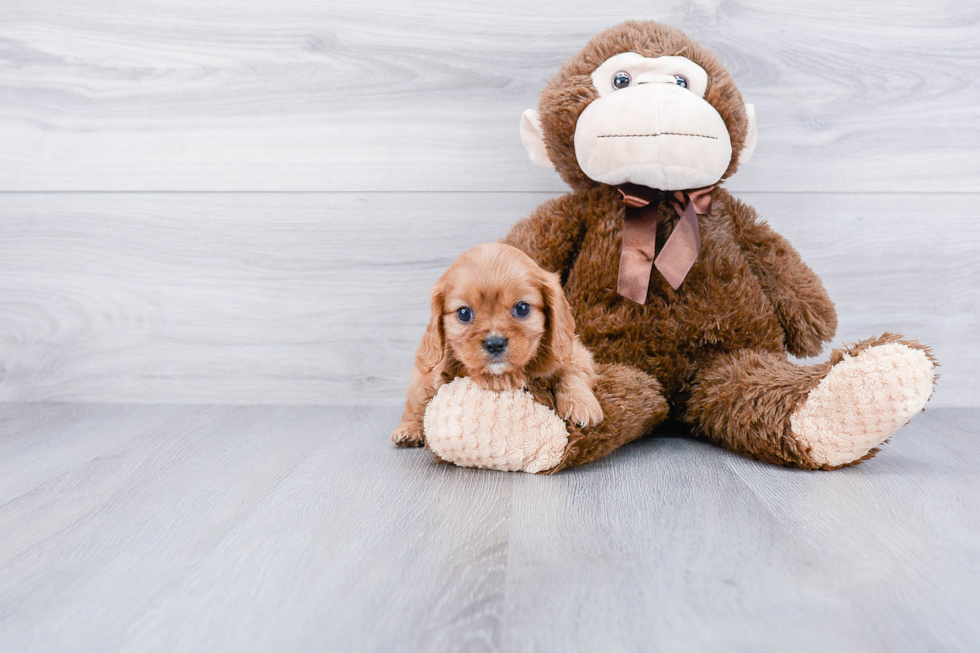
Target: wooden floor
<point>202,528</point>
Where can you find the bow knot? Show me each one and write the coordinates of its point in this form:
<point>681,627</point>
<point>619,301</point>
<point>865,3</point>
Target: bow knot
<point>678,254</point>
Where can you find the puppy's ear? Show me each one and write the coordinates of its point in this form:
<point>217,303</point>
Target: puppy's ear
<point>432,349</point>
<point>560,338</point>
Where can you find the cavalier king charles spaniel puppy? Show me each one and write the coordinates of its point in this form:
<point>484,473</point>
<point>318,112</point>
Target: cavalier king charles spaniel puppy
<point>502,320</point>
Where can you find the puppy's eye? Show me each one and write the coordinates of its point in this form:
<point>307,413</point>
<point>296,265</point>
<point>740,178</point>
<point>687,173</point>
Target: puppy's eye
<point>522,309</point>
<point>464,314</point>
<point>621,79</point>
<point>681,81</point>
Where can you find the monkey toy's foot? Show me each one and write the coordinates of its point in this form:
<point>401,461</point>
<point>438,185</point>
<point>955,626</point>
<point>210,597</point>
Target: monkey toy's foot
<point>870,392</point>
<point>511,431</point>
<point>508,431</point>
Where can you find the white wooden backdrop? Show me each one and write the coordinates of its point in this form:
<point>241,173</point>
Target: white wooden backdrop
<point>246,201</point>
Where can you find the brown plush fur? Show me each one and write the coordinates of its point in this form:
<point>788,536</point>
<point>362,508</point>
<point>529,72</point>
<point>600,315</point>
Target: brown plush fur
<point>571,90</point>
<point>541,351</point>
<point>717,347</point>
<point>616,386</point>
<point>734,404</point>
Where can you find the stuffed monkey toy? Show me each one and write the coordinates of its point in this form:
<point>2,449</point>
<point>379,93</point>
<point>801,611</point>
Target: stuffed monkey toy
<point>686,298</point>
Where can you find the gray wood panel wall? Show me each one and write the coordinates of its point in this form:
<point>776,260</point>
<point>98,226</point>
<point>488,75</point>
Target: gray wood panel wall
<point>246,202</point>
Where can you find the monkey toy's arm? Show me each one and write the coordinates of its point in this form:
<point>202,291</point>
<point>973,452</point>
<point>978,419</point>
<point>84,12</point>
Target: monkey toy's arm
<point>551,235</point>
<point>802,305</point>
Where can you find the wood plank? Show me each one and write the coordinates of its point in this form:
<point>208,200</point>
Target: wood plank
<point>678,545</point>
<point>321,298</point>
<point>302,528</point>
<point>254,529</point>
<point>35,447</point>
<point>426,95</point>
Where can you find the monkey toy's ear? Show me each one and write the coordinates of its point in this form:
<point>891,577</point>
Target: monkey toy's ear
<point>533,139</point>
<point>750,137</point>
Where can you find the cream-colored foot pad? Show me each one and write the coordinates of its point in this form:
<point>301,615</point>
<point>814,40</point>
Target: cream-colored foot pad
<point>862,401</point>
<point>509,431</point>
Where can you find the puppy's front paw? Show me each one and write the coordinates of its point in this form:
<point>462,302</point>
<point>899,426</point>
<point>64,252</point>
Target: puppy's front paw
<point>408,434</point>
<point>581,408</point>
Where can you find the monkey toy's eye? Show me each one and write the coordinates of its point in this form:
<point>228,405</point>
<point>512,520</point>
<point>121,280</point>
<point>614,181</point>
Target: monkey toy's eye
<point>464,314</point>
<point>681,81</point>
<point>621,79</point>
<point>522,309</point>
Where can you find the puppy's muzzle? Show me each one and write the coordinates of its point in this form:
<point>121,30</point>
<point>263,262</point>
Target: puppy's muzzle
<point>495,345</point>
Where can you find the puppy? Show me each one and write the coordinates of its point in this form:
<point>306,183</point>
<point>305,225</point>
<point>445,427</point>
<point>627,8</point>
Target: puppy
<point>500,319</point>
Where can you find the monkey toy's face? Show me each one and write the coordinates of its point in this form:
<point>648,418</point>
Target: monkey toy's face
<point>651,125</point>
<point>646,118</point>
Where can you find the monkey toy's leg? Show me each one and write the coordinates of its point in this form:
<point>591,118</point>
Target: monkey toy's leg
<point>632,406</point>
<point>821,416</point>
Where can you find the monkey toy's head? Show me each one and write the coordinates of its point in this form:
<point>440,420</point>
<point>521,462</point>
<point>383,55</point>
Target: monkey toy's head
<point>642,103</point>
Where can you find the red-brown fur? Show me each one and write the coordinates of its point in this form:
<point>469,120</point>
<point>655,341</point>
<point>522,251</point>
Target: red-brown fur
<point>542,354</point>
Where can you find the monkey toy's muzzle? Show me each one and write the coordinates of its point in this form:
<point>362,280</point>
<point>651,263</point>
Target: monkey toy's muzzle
<point>658,135</point>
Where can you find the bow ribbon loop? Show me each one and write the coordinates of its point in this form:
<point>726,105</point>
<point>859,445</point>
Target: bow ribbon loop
<point>677,256</point>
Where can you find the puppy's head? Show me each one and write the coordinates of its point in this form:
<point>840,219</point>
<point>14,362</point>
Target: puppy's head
<point>500,316</point>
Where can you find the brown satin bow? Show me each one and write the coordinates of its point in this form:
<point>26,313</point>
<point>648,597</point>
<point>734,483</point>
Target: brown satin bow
<point>638,255</point>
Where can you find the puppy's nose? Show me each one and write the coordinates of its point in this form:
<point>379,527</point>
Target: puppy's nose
<point>495,345</point>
